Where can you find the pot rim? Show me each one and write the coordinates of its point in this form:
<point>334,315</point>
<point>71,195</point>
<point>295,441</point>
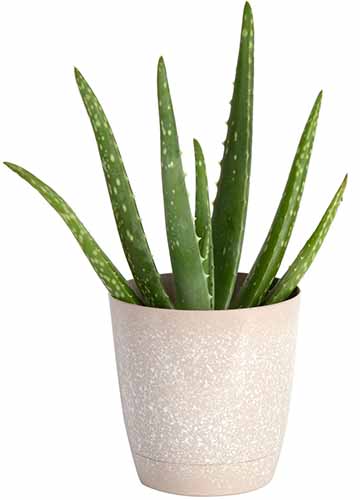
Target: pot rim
<point>295,297</point>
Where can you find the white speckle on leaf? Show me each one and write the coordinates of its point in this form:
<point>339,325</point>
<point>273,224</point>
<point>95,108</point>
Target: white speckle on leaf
<point>129,235</point>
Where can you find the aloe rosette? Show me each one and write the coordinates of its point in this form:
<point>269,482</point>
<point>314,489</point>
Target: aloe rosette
<point>204,250</point>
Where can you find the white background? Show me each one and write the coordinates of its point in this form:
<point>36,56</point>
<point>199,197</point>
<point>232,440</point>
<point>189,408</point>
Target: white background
<point>61,429</point>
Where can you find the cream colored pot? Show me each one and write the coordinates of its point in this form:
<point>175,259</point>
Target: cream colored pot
<point>205,394</point>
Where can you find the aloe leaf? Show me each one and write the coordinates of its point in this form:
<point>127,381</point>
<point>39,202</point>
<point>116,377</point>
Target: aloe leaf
<point>189,277</point>
<point>123,203</point>
<point>203,219</point>
<point>287,284</point>
<point>263,271</point>
<point>105,269</point>
<point>230,206</point>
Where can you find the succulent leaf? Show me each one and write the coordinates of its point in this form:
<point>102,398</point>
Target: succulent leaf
<point>287,284</point>
<point>105,269</point>
<point>263,271</point>
<point>203,219</point>
<point>230,206</point>
<point>126,214</point>
<point>189,277</point>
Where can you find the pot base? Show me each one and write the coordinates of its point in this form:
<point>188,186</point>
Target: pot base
<point>206,480</point>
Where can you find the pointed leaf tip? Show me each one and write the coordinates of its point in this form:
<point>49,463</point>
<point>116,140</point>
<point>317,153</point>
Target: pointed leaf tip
<point>77,72</point>
<point>247,8</point>
<point>248,14</point>
<point>343,185</point>
<point>12,166</point>
<point>78,76</point>
<point>161,63</point>
<point>318,102</point>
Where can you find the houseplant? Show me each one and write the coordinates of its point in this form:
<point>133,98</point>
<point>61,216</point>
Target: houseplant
<point>205,392</point>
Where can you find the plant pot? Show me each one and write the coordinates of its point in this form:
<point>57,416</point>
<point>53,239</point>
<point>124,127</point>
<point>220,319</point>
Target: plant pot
<point>205,394</point>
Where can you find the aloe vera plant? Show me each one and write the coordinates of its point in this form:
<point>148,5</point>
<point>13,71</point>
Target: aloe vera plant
<point>205,248</point>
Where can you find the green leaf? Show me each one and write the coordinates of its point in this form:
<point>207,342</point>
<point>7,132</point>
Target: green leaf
<point>287,284</point>
<point>230,206</point>
<point>263,271</point>
<point>105,269</point>
<point>126,214</point>
<point>203,219</point>
<point>189,277</point>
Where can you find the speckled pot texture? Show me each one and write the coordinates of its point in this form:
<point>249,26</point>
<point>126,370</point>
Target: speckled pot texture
<point>205,394</point>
